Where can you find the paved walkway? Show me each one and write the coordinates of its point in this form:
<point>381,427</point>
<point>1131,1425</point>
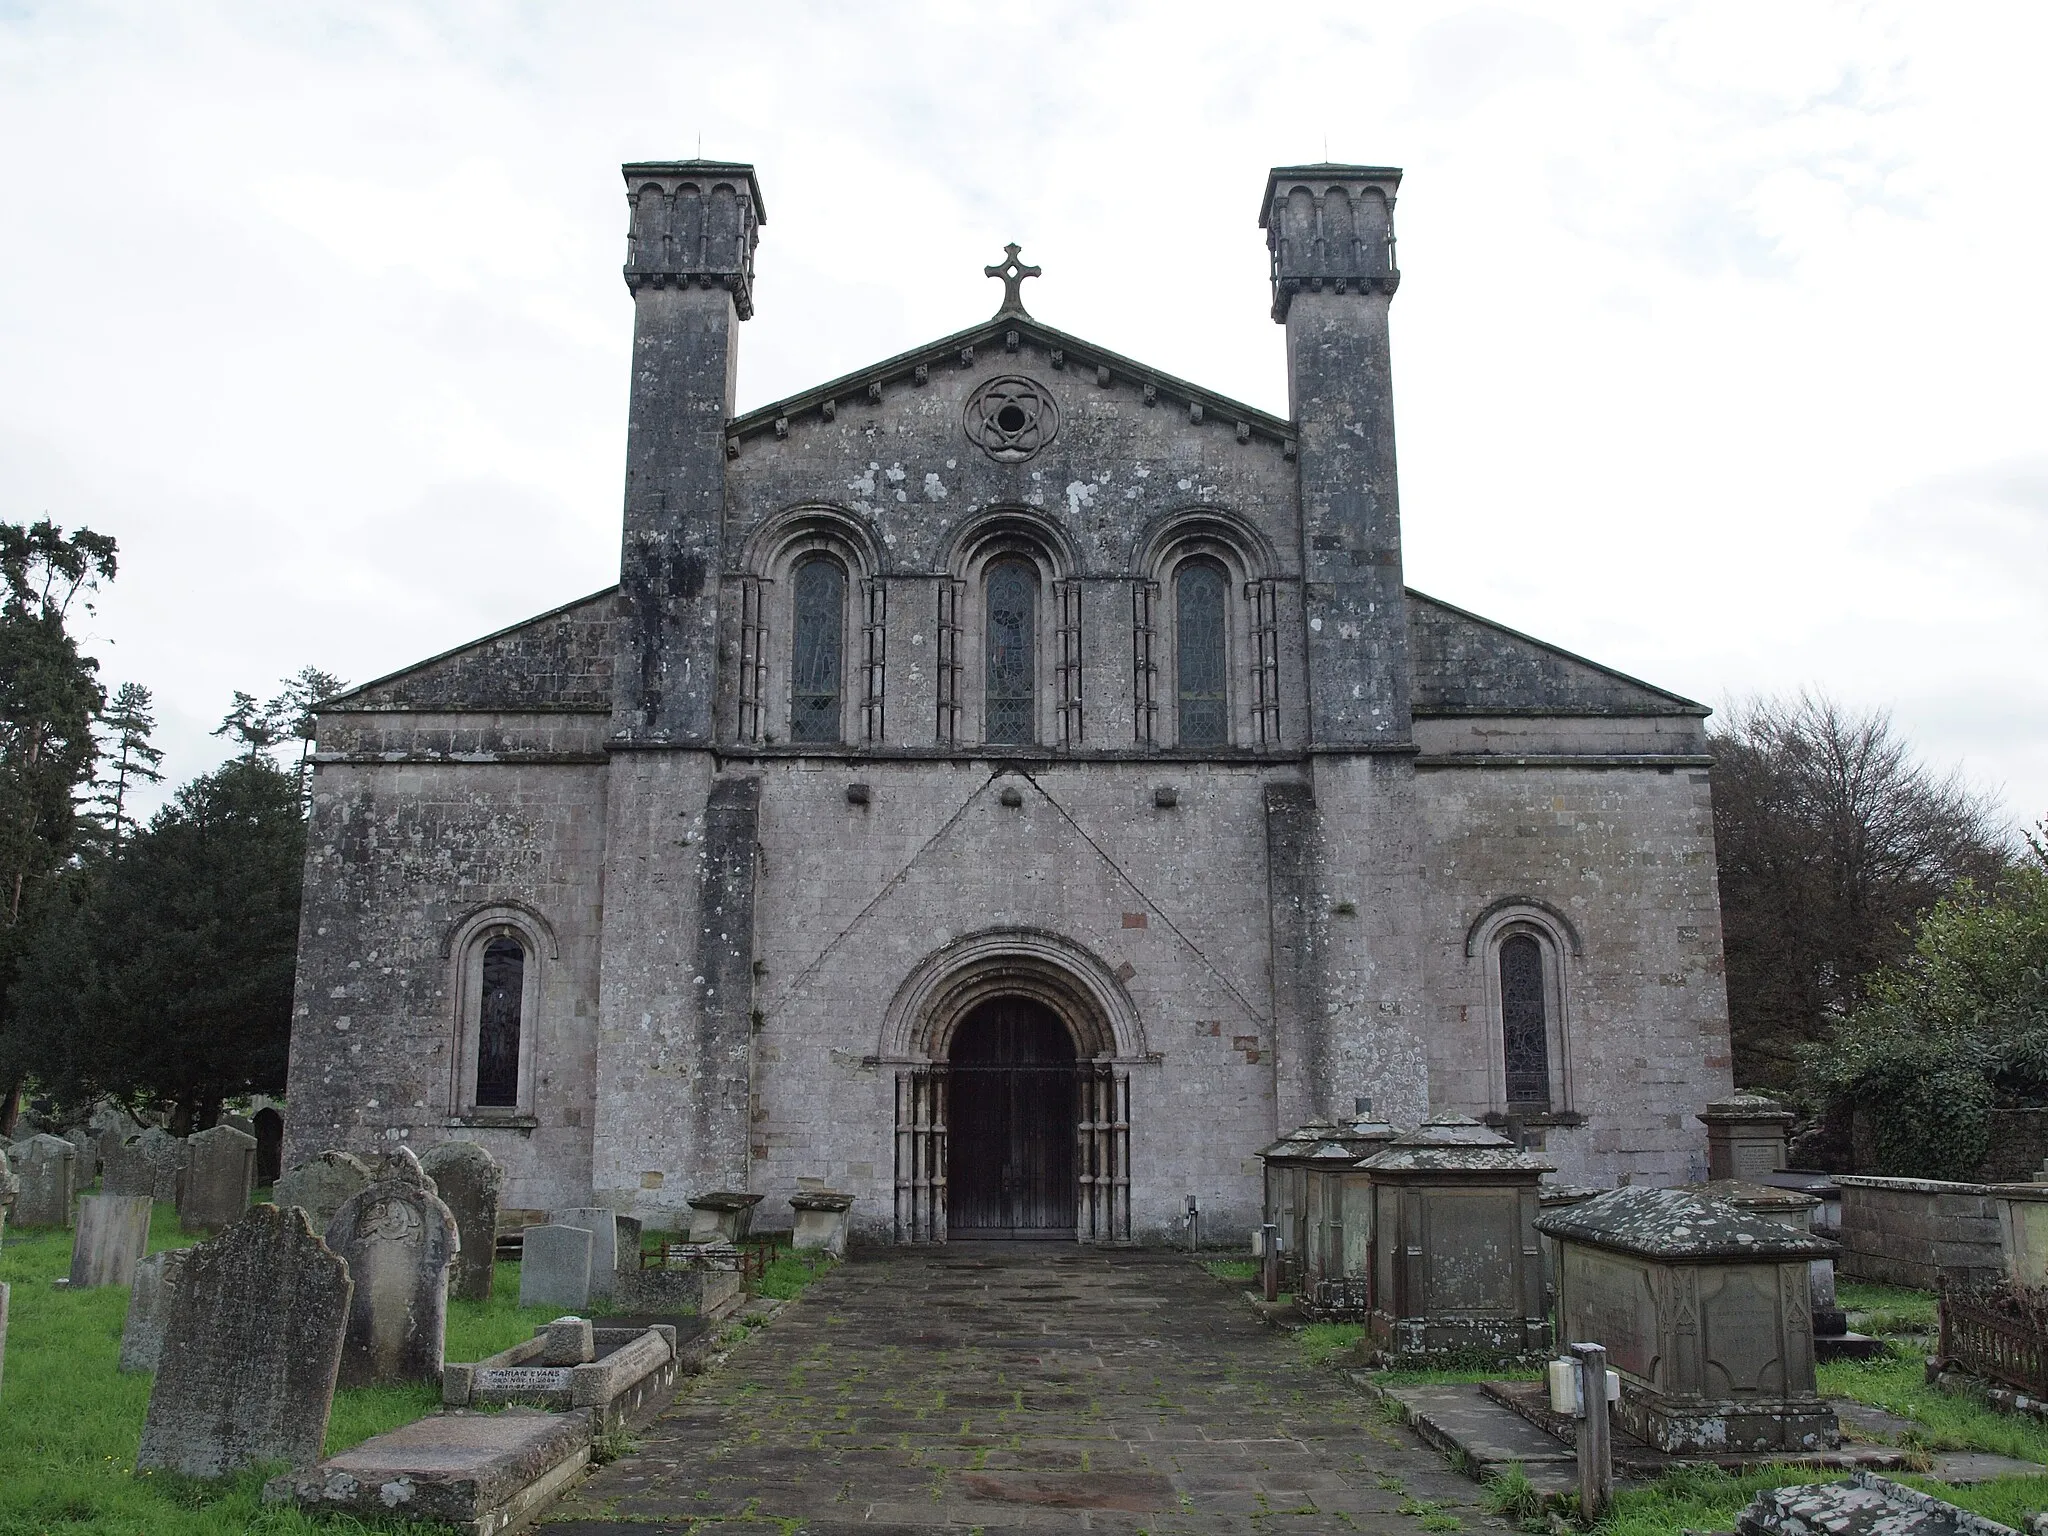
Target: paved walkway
<point>1002,1387</point>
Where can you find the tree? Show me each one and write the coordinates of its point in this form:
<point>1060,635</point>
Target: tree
<point>1832,843</point>
<point>1958,1028</point>
<point>193,933</point>
<point>288,717</point>
<point>128,754</point>
<point>49,695</point>
<point>293,712</point>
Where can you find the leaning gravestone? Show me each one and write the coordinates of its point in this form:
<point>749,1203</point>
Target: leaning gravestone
<point>113,1235</point>
<point>399,1240</point>
<point>554,1268</point>
<point>603,1224</point>
<point>469,1179</point>
<point>220,1175</point>
<point>252,1341</point>
<point>46,1172</point>
<point>321,1185</point>
<point>156,1281</point>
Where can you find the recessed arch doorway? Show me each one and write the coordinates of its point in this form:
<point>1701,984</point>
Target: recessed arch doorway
<point>1012,1086</point>
<point>1036,1139</point>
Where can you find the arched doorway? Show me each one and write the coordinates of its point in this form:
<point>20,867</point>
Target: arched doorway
<point>1012,1092</point>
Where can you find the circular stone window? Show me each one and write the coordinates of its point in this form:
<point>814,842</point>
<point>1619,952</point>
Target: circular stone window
<point>1011,418</point>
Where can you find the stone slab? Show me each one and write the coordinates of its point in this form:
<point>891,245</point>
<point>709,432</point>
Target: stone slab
<point>1866,1505</point>
<point>112,1237</point>
<point>149,1299</point>
<point>554,1267</point>
<point>602,1222</point>
<point>483,1473</point>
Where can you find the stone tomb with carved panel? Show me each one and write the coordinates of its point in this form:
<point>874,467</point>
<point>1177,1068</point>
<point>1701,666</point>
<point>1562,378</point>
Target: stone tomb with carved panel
<point>1456,1265</point>
<point>1705,1311</point>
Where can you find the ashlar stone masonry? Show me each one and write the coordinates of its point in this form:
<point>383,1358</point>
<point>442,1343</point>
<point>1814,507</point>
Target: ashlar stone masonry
<point>1008,708</point>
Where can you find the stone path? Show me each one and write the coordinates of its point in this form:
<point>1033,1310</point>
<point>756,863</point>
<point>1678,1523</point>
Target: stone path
<point>1002,1387</point>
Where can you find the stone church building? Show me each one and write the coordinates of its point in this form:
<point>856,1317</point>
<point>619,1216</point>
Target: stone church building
<point>1008,784</point>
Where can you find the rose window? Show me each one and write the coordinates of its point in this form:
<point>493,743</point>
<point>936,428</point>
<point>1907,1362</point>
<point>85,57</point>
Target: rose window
<point>1011,418</point>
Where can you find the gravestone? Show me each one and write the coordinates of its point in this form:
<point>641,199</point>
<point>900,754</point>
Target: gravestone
<point>220,1175</point>
<point>1705,1310</point>
<point>469,1180</point>
<point>88,1169</point>
<point>129,1169</point>
<point>606,1246</point>
<point>821,1218</point>
<point>252,1342</point>
<point>112,1236</point>
<point>45,1172</point>
<point>320,1185</point>
<point>399,1240</point>
<point>554,1267</point>
<point>165,1154</point>
<point>156,1281</point>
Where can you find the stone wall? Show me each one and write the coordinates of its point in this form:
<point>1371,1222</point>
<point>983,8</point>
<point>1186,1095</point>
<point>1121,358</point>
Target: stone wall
<point>1916,1231</point>
<point>399,857</point>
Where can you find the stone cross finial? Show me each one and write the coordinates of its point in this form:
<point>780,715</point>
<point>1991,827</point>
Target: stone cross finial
<point>1012,272</point>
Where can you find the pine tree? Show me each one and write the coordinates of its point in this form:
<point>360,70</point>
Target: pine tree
<point>127,754</point>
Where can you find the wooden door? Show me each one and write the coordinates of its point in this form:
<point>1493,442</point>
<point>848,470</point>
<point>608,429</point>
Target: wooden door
<point>1010,1124</point>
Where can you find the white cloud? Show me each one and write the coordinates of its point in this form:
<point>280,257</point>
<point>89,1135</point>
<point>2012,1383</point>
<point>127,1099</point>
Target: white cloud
<point>1715,350</point>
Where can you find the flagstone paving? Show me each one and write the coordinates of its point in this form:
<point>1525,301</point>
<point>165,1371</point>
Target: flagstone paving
<point>1006,1387</point>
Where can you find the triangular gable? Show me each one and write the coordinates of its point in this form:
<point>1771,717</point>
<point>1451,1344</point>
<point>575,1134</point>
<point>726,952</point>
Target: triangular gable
<point>560,660</point>
<point>1466,665</point>
<point>990,340</point>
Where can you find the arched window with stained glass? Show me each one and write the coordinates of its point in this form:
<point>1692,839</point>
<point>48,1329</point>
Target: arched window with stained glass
<point>1010,705</point>
<point>501,1006</point>
<point>1201,670</point>
<point>1525,1023</point>
<point>817,657</point>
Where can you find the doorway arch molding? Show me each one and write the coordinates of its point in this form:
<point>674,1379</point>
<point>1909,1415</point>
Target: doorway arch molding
<point>1070,979</point>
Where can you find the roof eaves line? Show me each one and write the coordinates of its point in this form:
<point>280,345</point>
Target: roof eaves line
<point>467,645</point>
<point>1692,705</point>
<point>1081,353</point>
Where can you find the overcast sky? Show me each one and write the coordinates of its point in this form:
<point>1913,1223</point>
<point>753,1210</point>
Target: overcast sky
<point>1718,351</point>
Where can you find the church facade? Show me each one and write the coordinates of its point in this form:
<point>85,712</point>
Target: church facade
<point>1010,785</point>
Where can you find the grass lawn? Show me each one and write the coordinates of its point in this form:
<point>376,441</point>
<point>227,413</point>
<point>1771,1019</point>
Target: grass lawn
<point>70,1423</point>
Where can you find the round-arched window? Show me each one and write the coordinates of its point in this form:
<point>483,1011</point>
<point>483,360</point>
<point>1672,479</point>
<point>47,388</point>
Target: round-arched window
<point>1200,610</point>
<point>816,677</point>
<point>1011,705</point>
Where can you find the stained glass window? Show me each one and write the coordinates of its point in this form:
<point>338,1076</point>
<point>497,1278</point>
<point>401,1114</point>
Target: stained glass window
<point>815,673</point>
<point>1199,609</point>
<point>497,1037</point>
<point>1525,1033</point>
<point>1012,641</point>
